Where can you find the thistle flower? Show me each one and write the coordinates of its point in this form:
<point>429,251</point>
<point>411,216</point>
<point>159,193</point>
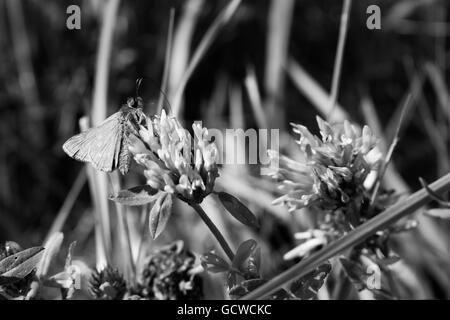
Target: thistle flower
<point>108,284</point>
<point>333,171</point>
<point>172,162</point>
<point>169,275</point>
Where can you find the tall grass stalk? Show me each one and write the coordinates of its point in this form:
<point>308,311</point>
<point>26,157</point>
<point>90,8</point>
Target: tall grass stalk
<point>167,60</point>
<point>279,25</point>
<point>98,114</point>
<point>339,55</point>
<point>182,43</point>
<point>126,252</point>
<point>212,32</point>
<point>26,75</point>
<point>251,85</point>
<point>71,197</point>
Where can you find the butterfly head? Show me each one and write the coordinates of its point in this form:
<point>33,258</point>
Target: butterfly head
<point>133,110</point>
<point>135,103</point>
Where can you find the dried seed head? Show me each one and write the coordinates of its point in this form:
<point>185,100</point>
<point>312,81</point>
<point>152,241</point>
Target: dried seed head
<point>108,284</point>
<point>168,276</point>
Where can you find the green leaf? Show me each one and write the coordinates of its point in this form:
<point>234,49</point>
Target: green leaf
<point>280,295</point>
<point>245,287</point>
<point>135,196</point>
<point>390,260</point>
<point>231,279</point>
<point>355,273</point>
<point>307,286</point>
<point>438,213</point>
<point>243,253</point>
<point>160,214</point>
<point>237,291</point>
<point>238,210</point>
<point>19,265</point>
<point>213,263</point>
<point>254,263</point>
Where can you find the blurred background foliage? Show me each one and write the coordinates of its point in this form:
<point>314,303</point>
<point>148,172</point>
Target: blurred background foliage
<point>47,79</point>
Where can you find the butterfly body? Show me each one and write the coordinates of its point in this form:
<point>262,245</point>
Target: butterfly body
<point>106,145</point>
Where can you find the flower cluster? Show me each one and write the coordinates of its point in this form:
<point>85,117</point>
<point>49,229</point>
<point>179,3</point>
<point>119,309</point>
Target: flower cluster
<point>334,169</point>
<point>173,162</point>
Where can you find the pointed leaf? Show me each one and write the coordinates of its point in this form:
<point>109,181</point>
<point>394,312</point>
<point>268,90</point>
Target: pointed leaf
<point>237,291</point>
<point>213,263</point>
<point>245,287</point>
<point>20,264</point>
<point>238,210</point>
<point>280,295</point>
<point>355,273</point>
<point>243,253</point>
<point>307,286</point>
<point>388,260</point>
<point>438,213</point>
<point>160,214</point>
<point>231,279</point>
<point>254,263</point>
<point>135,196</point>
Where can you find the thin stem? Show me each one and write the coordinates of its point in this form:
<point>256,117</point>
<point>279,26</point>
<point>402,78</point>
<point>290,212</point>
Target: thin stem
<point>390,151</point>
<point>384,219</point>
<point>223,243</point>
<point>124,232</point>
<point>339,55</point>
<point>167,60</point>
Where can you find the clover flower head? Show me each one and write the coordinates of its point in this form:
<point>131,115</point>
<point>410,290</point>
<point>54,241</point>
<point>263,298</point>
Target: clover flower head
<point>333,170</point>
<point>174,161</point>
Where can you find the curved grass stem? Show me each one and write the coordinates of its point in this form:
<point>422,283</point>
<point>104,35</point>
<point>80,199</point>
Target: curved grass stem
<point>223,243</point>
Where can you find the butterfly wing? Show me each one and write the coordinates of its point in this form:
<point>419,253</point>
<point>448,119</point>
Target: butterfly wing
<point>99,145</point>
<point>103,153</point>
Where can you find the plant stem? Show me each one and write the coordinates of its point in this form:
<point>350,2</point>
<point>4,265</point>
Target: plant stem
<point>339,55</point>
<point>358,235</point>
<point>223,243</point>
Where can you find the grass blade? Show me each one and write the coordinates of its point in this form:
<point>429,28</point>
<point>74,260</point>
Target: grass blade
<point>314,92</point>
<point>339,55</point>
<point>98,113</point>
<point>279,25</point>
<point>203,46</point>
<point>64,212</point>
<point>167,60</point>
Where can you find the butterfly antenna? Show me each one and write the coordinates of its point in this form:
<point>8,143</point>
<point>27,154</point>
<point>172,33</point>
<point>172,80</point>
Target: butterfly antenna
<point>138,85</point>
<point>162,93</point>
